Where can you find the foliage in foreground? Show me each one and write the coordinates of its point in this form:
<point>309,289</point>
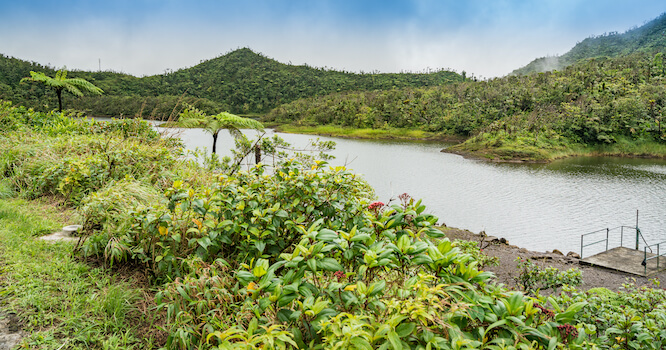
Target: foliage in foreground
<point>290,257</point>
<point>302,259</point>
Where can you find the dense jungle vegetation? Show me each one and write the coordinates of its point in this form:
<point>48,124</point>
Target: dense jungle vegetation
<point>649,38</point>
<point>291,256</point>
<point>241,82</point>
<point>614,104</point>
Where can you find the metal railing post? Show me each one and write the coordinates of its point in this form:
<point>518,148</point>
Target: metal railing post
<point>621,235</point>
<point>606,238</point>
<point>645,261</point>
<point>581,246</point>
<point>637,233</point>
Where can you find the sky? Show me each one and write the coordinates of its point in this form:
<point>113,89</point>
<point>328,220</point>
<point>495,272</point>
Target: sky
<point>485,38</point>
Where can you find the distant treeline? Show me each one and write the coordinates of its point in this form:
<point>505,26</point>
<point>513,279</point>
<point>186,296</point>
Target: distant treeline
<point>241,82</point>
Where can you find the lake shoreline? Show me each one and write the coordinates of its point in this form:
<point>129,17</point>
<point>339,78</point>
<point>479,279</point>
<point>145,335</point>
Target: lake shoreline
<point>592,153</point>
<point>410,135</point>
<point>369,134</point>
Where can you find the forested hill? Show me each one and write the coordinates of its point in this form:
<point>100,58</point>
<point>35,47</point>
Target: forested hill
<point>602,101</point>
<point>648,38</point>
<point>241,81</point>
<point>250,82</point>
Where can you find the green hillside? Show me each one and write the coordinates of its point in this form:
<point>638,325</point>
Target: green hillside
<point>612,104</point>
<point>241,81</point>
<point>648,38</point>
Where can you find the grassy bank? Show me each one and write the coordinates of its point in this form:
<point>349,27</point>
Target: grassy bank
<point>61,301</point>
<point>367,133</point>
<point>527,147</point>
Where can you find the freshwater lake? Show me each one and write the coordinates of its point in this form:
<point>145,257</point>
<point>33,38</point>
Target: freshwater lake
<point>537,206</point>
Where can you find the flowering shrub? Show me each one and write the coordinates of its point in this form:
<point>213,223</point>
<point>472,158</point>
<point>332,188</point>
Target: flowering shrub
<point>300,259</point>
<point>247,216</point>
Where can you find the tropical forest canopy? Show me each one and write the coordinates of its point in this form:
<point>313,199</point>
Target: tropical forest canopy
<point>598,101</point>
<point>241,81</point>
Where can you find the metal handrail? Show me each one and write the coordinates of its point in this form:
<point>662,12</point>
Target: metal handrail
<point>639,233</point>
<point>621,228</point>
<point>593,243</point>
<point>646,259</point>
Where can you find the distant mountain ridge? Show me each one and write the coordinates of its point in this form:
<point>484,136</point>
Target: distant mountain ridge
<point>649,38</point>
<point>241,81</point>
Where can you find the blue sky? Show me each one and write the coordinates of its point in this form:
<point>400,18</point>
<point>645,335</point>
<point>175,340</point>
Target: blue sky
<point>486,38</point>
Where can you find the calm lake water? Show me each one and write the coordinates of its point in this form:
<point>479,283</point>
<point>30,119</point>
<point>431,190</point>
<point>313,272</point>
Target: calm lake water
<point>537,206</point>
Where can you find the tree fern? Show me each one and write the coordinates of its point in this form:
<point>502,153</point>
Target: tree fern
<point>75,86</point>
<point>192,117</point>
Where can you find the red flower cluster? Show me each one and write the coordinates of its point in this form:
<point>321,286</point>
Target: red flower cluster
<point>567,330</point>
<point>339,275</point>
<point>375,205</point>
<point>548,313</point>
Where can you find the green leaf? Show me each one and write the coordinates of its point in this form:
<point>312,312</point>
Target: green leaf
<point>496,324</point>
<point>395,340</point>
<point>252,326</point>
<point>434,233</point>
<point>376,288</point>
<point>360,343</point>
<point>326,235</point>
<point>260,245</point>
<point>245,277</point>
<point>552,344</point>
<point>421,259</point>
<point>362,237</point>
<point>405,329</point>
<point>204,242</point>
<point>329,264</point>
<point>312,264</point>
<point>260,267</point>
<point>286,315</point>
<point>403,243</point>
<point>285,299</point>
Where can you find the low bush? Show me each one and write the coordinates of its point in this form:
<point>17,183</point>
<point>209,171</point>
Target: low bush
<point>533,278</point>
<point>632,318</point>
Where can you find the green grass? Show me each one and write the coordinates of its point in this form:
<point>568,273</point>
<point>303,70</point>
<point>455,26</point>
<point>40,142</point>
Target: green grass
<point>367,133</point>
<point>64,303</point>
<point>525,146</point>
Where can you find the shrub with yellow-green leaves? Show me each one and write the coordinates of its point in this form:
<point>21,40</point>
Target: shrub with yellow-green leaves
<point>300,258</point>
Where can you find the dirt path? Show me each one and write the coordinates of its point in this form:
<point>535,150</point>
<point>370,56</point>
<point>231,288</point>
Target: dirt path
<point>10,331</point>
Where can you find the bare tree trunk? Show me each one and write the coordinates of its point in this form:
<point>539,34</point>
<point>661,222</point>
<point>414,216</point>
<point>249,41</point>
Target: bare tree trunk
<point>214,141</point>
<point>257,154</point>
<point>59,93</point>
